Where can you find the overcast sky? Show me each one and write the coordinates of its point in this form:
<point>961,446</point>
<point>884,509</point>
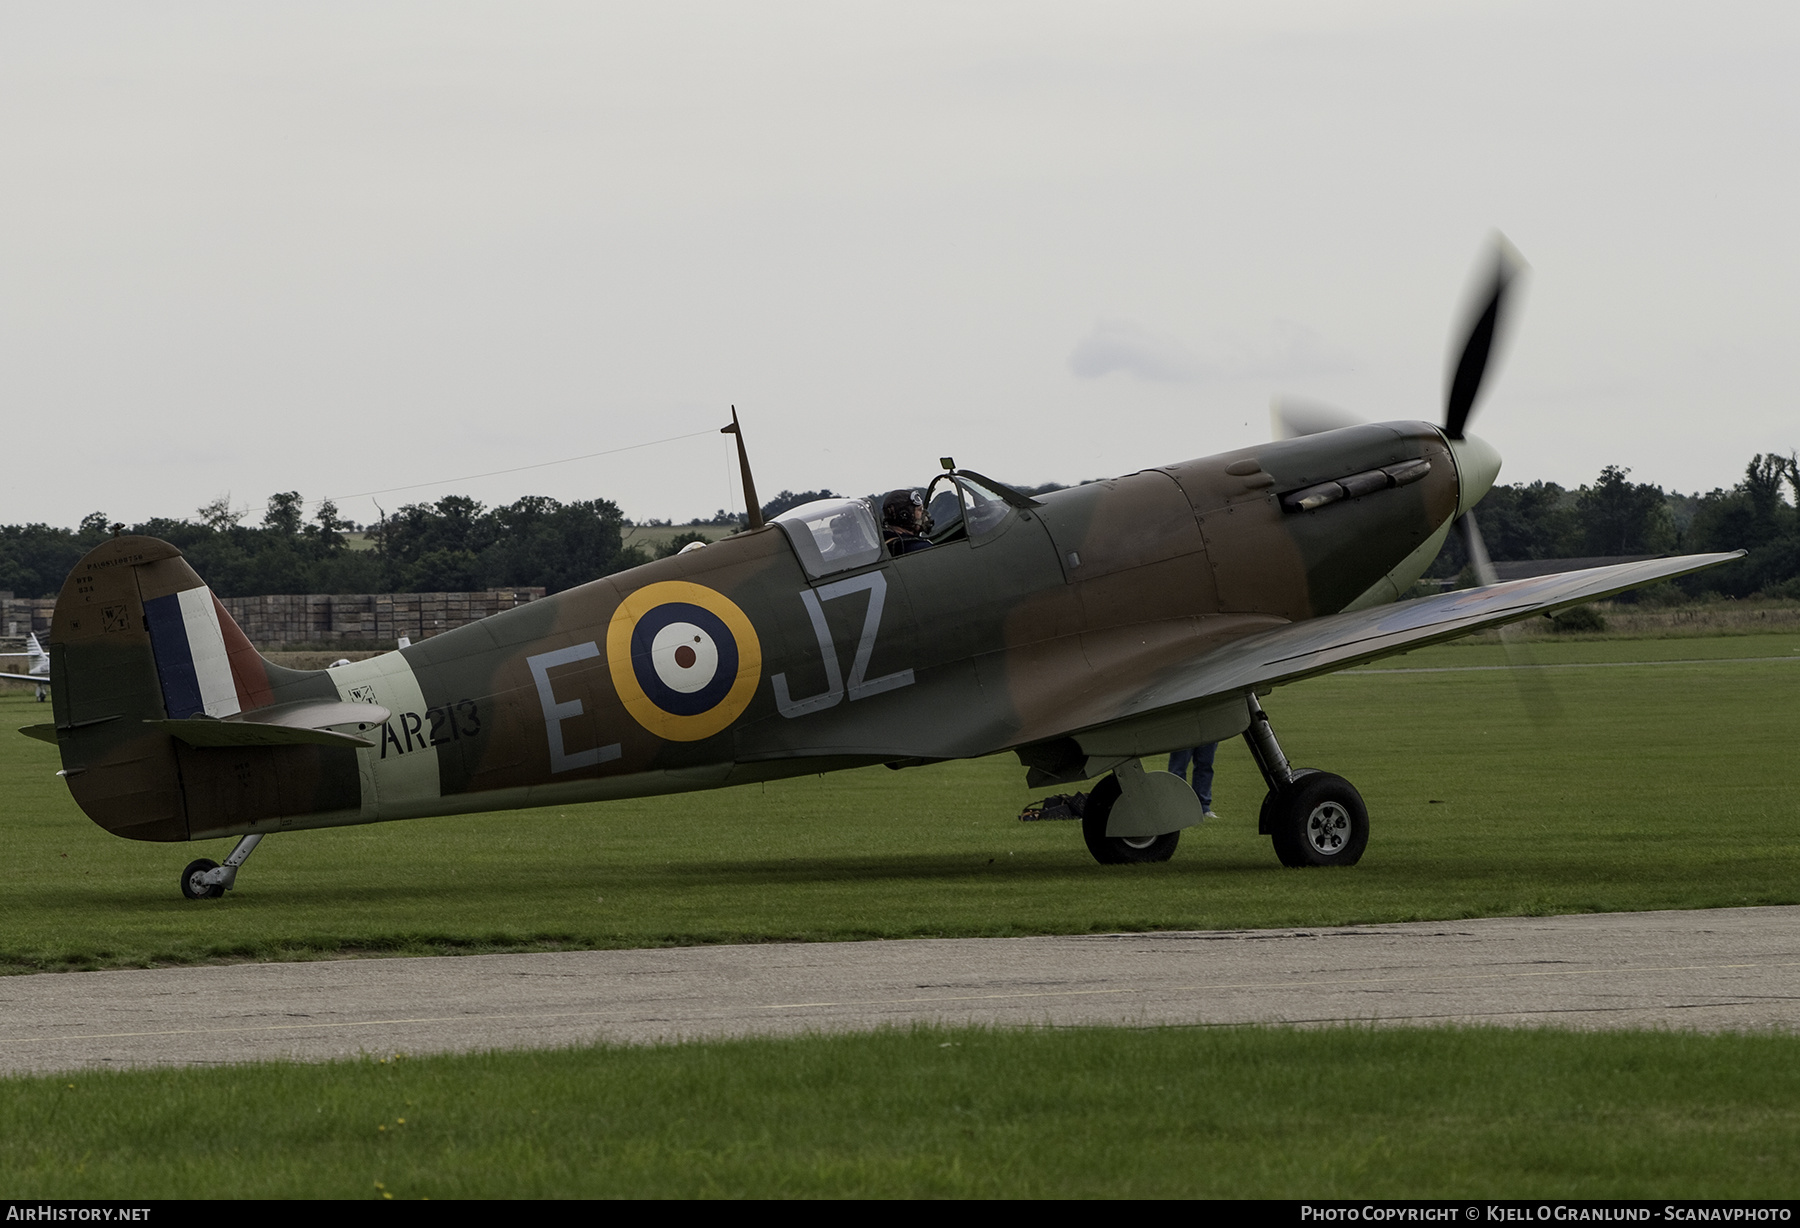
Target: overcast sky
<point>336,248</point>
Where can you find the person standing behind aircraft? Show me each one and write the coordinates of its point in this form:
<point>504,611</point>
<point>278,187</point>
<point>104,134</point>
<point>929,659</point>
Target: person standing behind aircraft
<point>1202,759</point>
<point>904,522</point>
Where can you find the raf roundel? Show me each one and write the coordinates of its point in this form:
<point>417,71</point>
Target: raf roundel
<point>683,658</point>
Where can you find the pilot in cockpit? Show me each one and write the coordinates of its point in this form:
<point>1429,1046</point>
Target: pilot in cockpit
<point>904,522</point>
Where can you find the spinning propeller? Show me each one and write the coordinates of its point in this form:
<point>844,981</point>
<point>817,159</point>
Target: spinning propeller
<point>1477,463</point>
<point>1484,319</point>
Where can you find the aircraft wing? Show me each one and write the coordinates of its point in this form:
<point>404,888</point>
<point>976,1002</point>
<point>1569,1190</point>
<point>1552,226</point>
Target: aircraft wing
<point>40,679</point>
<point>1337,641</point>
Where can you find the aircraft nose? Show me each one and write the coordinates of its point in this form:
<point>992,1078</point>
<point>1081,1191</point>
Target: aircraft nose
<point>1477,465</point>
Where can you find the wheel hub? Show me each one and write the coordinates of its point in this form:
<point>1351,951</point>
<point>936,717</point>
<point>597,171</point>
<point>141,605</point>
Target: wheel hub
<point>1328,828</point>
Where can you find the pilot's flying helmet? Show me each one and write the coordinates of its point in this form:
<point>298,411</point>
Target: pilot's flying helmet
<point>905,509</point>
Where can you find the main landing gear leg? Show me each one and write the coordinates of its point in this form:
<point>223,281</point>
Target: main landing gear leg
<point>208,880</point>
<point>1313,818</point>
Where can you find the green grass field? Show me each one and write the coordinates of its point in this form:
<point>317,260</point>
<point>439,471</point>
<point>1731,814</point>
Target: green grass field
<point>652,538</point>
<point>1661,786</point>
<point>1654,786</point>
<point>1231,1112</point>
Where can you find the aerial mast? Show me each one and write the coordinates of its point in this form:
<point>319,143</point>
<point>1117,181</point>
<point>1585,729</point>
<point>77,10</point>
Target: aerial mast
<point>754,508</point>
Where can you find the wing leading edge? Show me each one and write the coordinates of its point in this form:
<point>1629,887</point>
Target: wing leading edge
<point>1337,641</point>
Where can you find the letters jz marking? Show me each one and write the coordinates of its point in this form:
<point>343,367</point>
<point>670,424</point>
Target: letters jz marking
<point>860,686</point>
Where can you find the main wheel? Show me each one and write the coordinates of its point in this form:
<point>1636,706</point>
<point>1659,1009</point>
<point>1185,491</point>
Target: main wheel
<point>1119,850</point>
<point>1318,820</point>
<point>193,888</point>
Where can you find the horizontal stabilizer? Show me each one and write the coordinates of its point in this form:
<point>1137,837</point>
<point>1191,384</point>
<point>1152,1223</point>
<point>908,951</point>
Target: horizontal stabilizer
<point>303,723</point>
<point>50,733</point>
<point>203,732</point>
<point>313,714</point>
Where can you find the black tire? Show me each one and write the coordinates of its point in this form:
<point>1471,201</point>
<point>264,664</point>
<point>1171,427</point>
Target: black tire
<point>1318,820</point>
<point>1263,819</point>
<point>1119,850</point>
<point>196,891</point>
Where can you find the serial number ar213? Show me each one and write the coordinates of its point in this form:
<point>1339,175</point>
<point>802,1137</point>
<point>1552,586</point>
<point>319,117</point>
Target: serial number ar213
<point>461,719</point>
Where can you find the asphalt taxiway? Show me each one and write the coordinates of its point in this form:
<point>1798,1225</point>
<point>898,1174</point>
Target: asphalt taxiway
<point>1714,970</point>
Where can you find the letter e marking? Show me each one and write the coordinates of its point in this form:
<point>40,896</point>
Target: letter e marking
<point>556,713</point>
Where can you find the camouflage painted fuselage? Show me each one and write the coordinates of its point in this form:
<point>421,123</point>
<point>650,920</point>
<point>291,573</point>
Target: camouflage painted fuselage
<point>1029,636</point>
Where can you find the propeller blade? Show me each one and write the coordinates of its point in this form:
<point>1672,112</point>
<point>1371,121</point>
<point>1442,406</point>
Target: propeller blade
<point>1536,691</point>
<point>1488,327</point>
<point>1292,417</point>
<point>1476,549</point>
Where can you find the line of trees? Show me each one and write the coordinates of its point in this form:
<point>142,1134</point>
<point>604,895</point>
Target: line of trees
<point>456,544</point>
<point>1616,516</point>
<point>453,545</point>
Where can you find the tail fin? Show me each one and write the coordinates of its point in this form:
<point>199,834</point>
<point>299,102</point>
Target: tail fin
<point>137,637</point>
<point>37,660</point>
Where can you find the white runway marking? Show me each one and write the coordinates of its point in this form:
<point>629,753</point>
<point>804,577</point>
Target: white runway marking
<point>1726,969</point>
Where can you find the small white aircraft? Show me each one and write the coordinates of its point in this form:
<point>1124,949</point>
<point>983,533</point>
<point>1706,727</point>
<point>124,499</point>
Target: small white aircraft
<point>39,667</point>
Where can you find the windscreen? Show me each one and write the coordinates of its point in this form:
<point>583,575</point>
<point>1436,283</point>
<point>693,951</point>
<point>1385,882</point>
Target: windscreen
<point>831,535</point>
<point>986,507</point>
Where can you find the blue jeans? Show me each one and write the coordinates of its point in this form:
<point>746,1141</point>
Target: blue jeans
<point>1202,759</point>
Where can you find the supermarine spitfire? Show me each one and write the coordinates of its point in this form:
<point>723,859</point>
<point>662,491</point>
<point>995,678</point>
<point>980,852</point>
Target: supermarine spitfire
<point>1083,630</point>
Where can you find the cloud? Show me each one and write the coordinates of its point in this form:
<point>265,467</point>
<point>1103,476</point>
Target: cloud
<point>1120,345</point>
<point>1285,350</point>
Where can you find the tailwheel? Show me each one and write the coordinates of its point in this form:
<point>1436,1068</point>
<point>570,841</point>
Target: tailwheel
<point>193,881</point>
<point>206,879</point>
<point>1119,850</point>
<point>1317,820</point>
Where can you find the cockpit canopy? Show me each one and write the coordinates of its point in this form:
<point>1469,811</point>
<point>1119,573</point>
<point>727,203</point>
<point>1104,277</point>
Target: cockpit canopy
<point>832,535</point>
